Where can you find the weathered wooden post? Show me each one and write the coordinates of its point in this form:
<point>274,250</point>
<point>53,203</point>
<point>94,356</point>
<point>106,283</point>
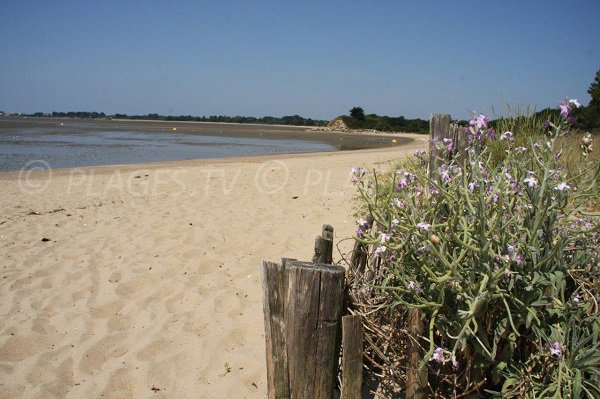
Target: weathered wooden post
<point>416,378</point>
<point>312,316</point>
<point>324,246</point>
<point>302,308</point>
<point>352,344</point>
<point>274,291</point>
<point>439,129</point>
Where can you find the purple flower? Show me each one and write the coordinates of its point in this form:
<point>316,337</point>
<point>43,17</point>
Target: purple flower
<point>491,134</point>
<point>479,122</point>
<point>414,287</point>
<point>399,203</point>
<point>495,197</point>
<point>424,226</point>
<point>520,150</point>
<point>392,258</point>
<point>402,183</point>
<point>362,222</point>
<point>394,223</point>
<point>449,144</point>
<point>515,186</point>
<point>482,121</point>
<point>472,186</point>
<point>360,233</point>
<point>444,173</point>
<point>420,153</point>
<point>357,174</point>
<point>562,187</point>
<point>406,179</point>
<point>556,350</point>
<point>455,366</point>
<point>564,109</point>
<point>582,223</point>
<point>510,249</point>
<point>379,250</point>
<point>384,237</point>
<point>437,356</point>
<point>519,259</point>
<point>547,124</point>
<point>506,136</point>
<point>530,180</point>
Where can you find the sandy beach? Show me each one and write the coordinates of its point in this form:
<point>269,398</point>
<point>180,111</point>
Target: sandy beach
<point>143,280</point>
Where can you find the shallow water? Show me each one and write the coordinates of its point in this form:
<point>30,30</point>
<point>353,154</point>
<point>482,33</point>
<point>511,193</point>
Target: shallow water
<point>26,146</point>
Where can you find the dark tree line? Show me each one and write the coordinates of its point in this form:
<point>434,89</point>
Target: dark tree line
<point>358,120</point>
<point>295,120</point>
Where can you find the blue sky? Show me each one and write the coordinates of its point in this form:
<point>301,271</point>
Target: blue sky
<point>313,58</point>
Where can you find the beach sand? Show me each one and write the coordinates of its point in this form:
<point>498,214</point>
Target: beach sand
<point>144,280</point>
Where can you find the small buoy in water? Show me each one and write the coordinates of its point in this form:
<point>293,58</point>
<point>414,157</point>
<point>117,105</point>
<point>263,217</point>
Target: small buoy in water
<point>394,141</point>
<point>174,128</point>
<point>62,124</point>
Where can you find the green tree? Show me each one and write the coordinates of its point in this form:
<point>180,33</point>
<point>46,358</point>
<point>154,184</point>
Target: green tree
<point>589,117</point>
<point>357,113</point>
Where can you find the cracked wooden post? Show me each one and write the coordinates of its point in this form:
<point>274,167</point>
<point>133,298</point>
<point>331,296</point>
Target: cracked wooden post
<point>303,307</point>
<point>315,294</point>
<point>352,364</point>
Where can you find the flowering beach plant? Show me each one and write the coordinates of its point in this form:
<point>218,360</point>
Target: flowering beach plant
<point>502,259</point>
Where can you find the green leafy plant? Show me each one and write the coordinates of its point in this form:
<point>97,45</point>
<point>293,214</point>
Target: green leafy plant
<point>499,255</point>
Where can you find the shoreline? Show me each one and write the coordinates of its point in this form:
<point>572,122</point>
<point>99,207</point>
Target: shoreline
<point>198,162</point>
<point>338,141</point>
<point>121,280</point>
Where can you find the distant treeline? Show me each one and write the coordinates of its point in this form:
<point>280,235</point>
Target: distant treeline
<point>295,120</point>
<point>358,120</point>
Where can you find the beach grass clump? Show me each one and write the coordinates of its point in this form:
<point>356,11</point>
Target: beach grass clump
<point>500,255</point>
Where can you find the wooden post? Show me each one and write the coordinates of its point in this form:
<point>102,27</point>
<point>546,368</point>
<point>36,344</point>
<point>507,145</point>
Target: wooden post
<point>274,284</point>
<point>324,246</point>
<point>439,129</point>
<point>303,308</point>
<point>352,344</point>
<point>416,378</point>
<point>458,135</point>
<point>312,317</point>
<point>358,260</point>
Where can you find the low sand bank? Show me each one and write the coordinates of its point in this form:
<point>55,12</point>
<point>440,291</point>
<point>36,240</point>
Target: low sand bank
<point>143,280</point>
<point>339,140</point>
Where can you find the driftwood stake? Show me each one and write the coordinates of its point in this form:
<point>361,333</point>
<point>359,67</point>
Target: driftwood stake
<point>416,378</point>
<point>274,288</point>
<point>439,129</point>
<point>312,317</point>
<point>303,308</point>
<point>324,246</point>
<point>352,343</point>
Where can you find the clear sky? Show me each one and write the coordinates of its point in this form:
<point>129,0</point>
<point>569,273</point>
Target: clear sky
<point>313,58</point>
